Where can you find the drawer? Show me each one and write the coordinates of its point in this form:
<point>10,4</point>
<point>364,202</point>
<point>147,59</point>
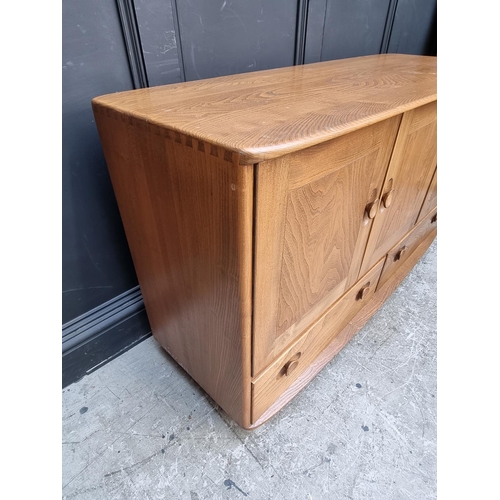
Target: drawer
<point>271,383</point>
<point>399,253</point>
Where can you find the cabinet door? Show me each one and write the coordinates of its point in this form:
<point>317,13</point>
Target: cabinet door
<point>430,202</point>
<point>312,223</point>
<point>406,184</point>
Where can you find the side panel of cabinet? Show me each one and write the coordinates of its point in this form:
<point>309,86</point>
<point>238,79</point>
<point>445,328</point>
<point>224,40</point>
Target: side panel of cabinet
<point>311,230</point>
<point>406,184</point>
<point>187,214</point>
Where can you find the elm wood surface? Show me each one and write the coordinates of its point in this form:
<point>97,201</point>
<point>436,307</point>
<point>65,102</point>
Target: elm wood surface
<point>407,180</point>
<point>187,214</point>
<point>268,386</point>
<point>265,114</point>
<point>398,255</point>
<point>311,231</point>
<point>237,262</point>
<point>346,334</point>
<point>430,201</point>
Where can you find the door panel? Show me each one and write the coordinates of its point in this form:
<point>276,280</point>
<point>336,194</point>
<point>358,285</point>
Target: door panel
<point>430,202</point>
<point>409,175</point>
<point>311,231</point>
<point>320,237</point>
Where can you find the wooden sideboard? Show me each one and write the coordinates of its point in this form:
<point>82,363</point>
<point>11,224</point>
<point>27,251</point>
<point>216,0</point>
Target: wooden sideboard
<point>270,214</point>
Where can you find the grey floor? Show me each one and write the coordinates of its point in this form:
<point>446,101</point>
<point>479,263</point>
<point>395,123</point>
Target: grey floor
<point>364,428</point>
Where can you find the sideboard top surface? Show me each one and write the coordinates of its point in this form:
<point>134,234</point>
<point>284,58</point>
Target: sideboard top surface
<point>265,114</point>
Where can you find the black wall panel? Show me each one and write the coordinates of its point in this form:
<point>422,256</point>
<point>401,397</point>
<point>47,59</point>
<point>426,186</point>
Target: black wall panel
<point>414,28</point>
<point>102,314</point>
<point>337,29</point>
<point>353,28</point>
<point>96,263</point>
<point>155,19</point>
<point>236,36</point>
<point>316,16</point>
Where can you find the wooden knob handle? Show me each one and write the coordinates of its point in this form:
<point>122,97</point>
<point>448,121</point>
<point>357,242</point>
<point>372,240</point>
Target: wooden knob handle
<point>290,366</point>
<point>363,292</point>
<point>434,219</point>
<point>400,254</point>
<point>387,198</point>
<point>371,209</point>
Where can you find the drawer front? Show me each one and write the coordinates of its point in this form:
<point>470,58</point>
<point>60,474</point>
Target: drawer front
<point>270,384</point>
<point>399,253</point>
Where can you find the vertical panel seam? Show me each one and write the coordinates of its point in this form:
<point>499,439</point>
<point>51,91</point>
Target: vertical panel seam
<point>389,23</point>
<point>132,39</point>
<point>180,54</point>
<point>323,34</point>
<point>301,31</point>
<point>254,249</point>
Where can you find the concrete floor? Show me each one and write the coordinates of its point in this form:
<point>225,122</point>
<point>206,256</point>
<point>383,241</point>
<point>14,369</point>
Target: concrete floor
<point>364,428</point>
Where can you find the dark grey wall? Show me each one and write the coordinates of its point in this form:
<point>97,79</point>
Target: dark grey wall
<point>414,28</point>
<point>337,29</point>
<point>96,262</point>
<point>157,26</point>
<point>233,36</point>
<point>353,28</point>
<point>96,266</point>
<point>113,45</point>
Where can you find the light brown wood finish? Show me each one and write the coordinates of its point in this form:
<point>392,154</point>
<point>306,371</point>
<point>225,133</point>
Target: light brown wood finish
<point>260,210</point>
<point>410,172</point>
<point>311,231</point>
<point>269,385</point>
<point>346,334</point>
<point>430,202</point>
<point>397,256</point>
<point>265,114</point>
<point>177,200</point>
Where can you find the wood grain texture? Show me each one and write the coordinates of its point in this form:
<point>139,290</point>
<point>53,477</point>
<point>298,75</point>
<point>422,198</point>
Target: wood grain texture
<point>311,231</point>
<point>270,384</point>
<point>396,258</point>
<point>346,334</point>
<point>187,213</point>
<point>266,114</point>
<point>410,172</point>
<point>430,201</point>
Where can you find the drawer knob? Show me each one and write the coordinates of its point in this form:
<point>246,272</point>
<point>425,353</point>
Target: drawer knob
<point>400,254</point>
<point>371,209</point>
<point>387,198</point>
<point>290,366</point>
<point>434,219</point>
<point>363,292</point>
